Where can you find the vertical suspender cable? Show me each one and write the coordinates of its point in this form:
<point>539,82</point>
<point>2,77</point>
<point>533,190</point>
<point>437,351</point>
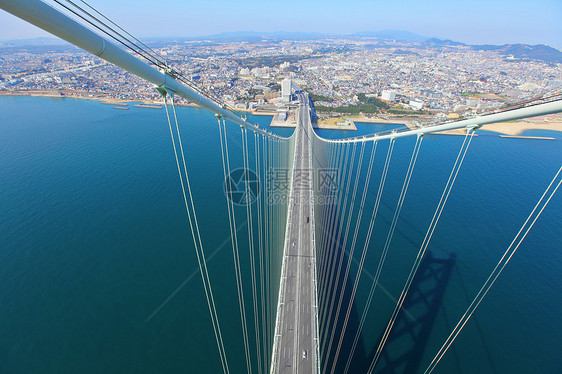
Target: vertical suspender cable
<point>337,160</point>
<point>341,163</point>
<point>398,210</point>
<point>234,236</point>
<point>342,254</point>
<point>332,233</point>
<point>504,260</point>
<point>321,191</point>
<point>249,217</point>
<point>267,249</point>
<point>332,155</point>
<point>363,254</point>
<point>261,255</point>
<point>271,196</point>
<point>194,227</point>
<point>329,236</point>
<point>337,236</point>
<point>338,155</point>
<point>425,243</point>
<point>366,246</point>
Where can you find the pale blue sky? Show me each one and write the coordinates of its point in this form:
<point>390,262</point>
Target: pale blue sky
<point>477,21</point>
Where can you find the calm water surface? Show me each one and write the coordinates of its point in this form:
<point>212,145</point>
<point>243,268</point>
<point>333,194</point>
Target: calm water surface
<point>93,240</point>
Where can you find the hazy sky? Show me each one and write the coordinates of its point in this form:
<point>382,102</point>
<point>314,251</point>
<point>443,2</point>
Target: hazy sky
<point>476,21</point>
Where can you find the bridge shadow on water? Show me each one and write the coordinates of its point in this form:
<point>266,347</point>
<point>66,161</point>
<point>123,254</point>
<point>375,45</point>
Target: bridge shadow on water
<point>406,344</point>
<point>407,341</point>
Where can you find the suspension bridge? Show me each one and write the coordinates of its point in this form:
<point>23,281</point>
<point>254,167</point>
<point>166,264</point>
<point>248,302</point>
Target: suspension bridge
<point>308,224</point>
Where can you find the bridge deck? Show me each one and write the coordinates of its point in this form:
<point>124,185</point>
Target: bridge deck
<point>296,340</point>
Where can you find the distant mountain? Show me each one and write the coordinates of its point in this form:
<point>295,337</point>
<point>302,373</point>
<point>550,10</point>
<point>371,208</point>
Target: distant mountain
<point>254,36</point>
<point>524,51</point>
<point>539,52</point>
<point>404,36</point>
<point>441,42</point>
<point>32,42</point>
<point>36,46</point>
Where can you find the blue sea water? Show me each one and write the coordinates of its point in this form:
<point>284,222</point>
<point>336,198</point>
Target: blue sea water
<point>93,240</point>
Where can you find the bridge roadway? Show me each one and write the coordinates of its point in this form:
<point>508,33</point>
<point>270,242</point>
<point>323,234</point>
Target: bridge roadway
<point>296,339</point>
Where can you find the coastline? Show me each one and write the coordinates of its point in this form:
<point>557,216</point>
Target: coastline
<point>549,123</point>
<point>70,94</point>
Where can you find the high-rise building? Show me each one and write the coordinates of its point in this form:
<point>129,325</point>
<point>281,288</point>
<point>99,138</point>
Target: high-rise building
<point>286,87</point>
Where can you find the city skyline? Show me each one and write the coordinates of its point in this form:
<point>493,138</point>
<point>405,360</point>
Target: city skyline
<point>477,22</point>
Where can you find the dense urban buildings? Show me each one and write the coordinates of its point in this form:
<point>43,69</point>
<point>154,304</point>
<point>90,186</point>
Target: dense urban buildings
<point>445,79</point>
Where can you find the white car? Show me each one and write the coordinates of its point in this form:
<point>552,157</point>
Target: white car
<point>304,353</point>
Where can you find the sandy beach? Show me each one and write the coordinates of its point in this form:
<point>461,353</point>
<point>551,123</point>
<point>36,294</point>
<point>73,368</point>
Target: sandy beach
<point>516,128</point>
<point>336,123</point>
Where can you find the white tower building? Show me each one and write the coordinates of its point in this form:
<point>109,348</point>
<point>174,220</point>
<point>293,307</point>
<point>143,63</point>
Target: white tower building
<point>286,86</point>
